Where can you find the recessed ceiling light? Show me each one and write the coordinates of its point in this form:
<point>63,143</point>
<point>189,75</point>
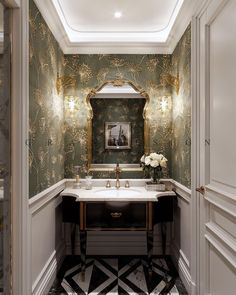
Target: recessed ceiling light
<point>117,14</point>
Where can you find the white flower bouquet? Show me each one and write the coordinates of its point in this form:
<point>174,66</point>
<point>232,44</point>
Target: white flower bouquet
<point>153,165</point>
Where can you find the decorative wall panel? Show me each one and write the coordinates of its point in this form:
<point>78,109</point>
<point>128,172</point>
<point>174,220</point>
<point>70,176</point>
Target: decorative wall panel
<point>46,119</point>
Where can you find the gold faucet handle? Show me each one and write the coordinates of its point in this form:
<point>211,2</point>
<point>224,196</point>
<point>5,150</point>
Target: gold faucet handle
<point>127,184</point>
<point>117,169</point>
<point>108,184</point>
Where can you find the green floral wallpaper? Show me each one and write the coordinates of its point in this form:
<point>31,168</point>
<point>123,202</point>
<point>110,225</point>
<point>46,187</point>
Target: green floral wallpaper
<point>181,138</point>
<point>58,137</point>
<point>90,71</point>
<point>117,110</point>
<point>46,118</point>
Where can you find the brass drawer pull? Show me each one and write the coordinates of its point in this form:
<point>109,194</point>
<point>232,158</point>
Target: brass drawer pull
<point>116,214</point>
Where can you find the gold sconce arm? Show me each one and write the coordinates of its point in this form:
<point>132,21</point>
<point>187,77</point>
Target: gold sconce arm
<point>171,80</point>
<point>64,82</point>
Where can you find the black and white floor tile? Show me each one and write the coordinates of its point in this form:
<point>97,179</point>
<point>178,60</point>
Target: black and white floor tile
<point>118,276</point>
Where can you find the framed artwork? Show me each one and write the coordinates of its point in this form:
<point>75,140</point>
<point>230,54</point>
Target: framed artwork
<point>117,135</point>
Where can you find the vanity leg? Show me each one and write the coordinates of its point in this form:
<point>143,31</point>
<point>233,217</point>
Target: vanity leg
<point>72,240</point>
<point>83,240</point>
<point>150,250</point>
<point>163,237</point>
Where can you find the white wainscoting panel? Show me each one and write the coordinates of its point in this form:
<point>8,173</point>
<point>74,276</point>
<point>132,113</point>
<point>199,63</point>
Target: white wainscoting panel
<point>47,243</point>
<point>181,239</point>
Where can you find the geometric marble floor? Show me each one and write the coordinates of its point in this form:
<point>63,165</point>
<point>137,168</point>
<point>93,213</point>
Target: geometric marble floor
<point>118,276</point>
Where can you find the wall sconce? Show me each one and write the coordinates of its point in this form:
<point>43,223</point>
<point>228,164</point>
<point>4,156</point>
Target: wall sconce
<point>71,103</point>
<point>165,103</point>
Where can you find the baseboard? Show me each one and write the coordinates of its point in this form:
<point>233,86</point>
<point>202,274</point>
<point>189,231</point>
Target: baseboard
<point>48,274</point>
<point>182,265</point>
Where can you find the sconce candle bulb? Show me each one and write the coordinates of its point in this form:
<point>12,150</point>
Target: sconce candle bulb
<point>71,104</point>
<point>164,104</point>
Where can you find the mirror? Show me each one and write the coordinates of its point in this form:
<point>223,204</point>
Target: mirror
<point>118,127</point>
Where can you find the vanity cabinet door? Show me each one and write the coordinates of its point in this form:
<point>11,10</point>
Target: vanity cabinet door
<point>116,215</point>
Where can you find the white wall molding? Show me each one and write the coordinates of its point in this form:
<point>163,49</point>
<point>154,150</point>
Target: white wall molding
<point>51,17</point>
<point>48,274</point>
<point>12,3</point>
<point>46,227</point>
<point>222,236</point>
<point>182,191</point>
<point>179,256</point>
<point>182,265</point>
<point>41,199</point>
<point>224,201</point>
<point>221,250</point>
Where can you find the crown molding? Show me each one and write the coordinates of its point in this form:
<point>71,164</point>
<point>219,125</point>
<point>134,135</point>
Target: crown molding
<point>54,23</point>
<point>12,3</point>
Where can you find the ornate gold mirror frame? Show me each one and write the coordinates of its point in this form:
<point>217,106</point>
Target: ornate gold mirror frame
<point>92,93</point>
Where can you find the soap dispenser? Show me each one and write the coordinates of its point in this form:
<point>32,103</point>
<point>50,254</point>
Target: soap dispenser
<point>77,177</point>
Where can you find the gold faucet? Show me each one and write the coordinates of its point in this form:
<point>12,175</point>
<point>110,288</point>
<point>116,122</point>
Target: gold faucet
<point>117,171</point>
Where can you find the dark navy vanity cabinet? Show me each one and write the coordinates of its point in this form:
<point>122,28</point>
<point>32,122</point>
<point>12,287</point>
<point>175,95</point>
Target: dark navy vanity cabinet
<point>119,215</point>
<point>115,216</point>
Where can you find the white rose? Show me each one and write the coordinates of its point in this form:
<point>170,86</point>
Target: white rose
<point>147,160</point>
<point>154,163</point>
<point>154,156</point>
<point>163,163</point>
<point>143,159</point>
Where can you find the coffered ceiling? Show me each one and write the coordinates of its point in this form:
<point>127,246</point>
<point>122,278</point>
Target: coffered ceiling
<point>117,26</point>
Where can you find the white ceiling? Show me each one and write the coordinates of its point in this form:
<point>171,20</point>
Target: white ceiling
<point>97,16</point>
<point>89,26</point>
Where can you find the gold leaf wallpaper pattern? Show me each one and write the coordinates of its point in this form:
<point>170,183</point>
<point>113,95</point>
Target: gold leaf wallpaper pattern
<point>181,136</point>
<point>46,116</point>
<point>58,139</point>
<point>143,70</point>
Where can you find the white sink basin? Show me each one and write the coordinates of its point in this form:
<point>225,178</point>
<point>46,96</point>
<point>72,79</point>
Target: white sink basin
<point>118,193</point>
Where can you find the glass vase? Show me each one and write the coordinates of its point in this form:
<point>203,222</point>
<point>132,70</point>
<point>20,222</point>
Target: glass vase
<point>156,174</point>
<point>88,182</point>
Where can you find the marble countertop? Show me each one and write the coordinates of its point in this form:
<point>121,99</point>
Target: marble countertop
<point>103,194</point>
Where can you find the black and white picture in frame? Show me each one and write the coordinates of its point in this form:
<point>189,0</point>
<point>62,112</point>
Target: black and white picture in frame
<point>117,135</point>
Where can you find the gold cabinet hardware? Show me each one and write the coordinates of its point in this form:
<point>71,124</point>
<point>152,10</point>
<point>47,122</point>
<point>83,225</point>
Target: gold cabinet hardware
<point>116,214</point>
<point>201,190</point>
